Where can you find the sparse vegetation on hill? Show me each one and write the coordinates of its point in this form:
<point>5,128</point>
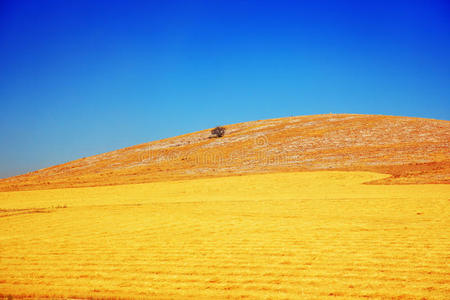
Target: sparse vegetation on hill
<point>412,150</point>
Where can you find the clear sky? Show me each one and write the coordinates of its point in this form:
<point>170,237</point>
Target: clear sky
<point>79,78</point>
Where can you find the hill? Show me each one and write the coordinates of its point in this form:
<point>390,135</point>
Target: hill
<point>411,150</point>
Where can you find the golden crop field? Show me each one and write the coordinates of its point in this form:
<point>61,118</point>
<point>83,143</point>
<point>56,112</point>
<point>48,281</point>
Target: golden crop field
<point>310,235</point>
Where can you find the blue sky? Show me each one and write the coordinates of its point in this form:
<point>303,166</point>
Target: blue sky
<point>79,78</point>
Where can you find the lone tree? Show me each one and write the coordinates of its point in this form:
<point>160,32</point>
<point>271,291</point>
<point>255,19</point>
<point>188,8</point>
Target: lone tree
<point>218,132</point>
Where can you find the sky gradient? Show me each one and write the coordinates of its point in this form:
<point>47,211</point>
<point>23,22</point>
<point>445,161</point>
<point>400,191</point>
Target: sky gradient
<point>79,78</point>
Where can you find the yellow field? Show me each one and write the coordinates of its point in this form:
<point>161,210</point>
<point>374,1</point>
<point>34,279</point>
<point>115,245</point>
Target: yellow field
<point>313,235</point>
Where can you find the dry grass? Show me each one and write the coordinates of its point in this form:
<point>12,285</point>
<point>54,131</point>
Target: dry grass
<point>312,235</point>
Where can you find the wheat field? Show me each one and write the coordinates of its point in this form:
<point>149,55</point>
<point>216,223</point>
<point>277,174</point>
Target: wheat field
<point>310,235</point>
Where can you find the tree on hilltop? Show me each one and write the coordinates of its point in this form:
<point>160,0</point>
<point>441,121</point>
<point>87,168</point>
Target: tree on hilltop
<point>218,132</point>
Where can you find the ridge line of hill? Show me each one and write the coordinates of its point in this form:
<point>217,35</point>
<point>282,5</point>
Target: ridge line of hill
<point>412,150</point>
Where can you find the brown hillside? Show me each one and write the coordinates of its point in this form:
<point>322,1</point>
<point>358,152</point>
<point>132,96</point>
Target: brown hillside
<point>412,150</point>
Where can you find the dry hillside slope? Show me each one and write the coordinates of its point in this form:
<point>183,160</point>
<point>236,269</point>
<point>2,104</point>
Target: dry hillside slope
<point>412,150</point>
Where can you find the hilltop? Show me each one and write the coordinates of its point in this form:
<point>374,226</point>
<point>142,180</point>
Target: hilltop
<point>411,150</point>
